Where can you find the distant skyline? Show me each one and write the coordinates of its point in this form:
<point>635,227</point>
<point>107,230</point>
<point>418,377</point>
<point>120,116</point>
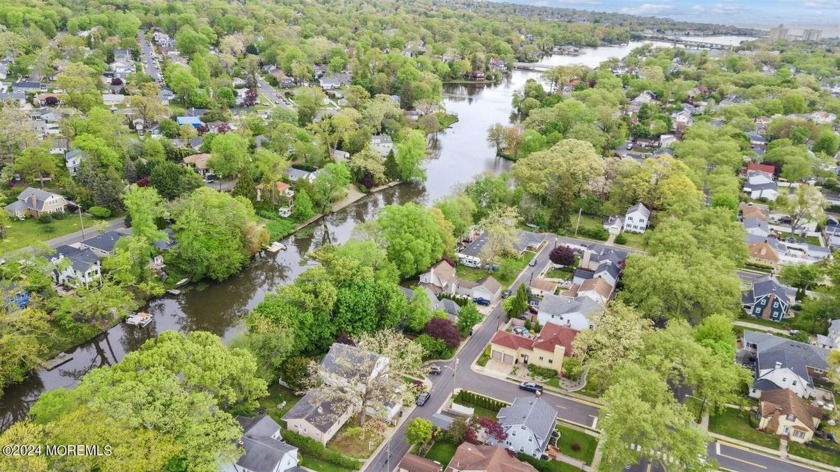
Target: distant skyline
<point>731,12</point>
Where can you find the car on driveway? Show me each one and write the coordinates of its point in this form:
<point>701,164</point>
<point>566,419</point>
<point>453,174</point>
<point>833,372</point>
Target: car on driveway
<point>435,370</point>
<point>530,387</point>
<point>423,398</point>
<point>481,301</point>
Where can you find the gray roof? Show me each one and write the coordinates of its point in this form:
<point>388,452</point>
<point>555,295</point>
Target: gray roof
<point>407,292</point>
<point>609,268</point>
<point>13,96</point>
<point>81,259</point>
<point>761,186</point>
<point>613,255</point>
<point>168,242</point>
<point>474,248</point>
<point>295,174</point>
<point>449,306</point>
<point>317,409</point>
<point>339,355</point>
<point>584,274</point>
<point>793,355</point>
<point>767,284</point>
<point>532,412</point>
<point>559,305</point>
<point>751,223</point>
<point>105,242</point>
<point>528,239</point>
<point>262,452</point>
<point>639,208</point>
<point>16,205</point>
<point>40,197</point>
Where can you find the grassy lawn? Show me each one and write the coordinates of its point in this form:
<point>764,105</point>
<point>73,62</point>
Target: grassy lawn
<point>354,446</point>
<point>561,273</point>
<point>741,425</point>
<point>27,232</point>
<point>570,437</point>
<point>277,395</point>
<point>635,240</point>
<point>316,464</point>
<point>762,322</point>
<point>442,452</point>
<point>819,455</point>
<point>509,269</point>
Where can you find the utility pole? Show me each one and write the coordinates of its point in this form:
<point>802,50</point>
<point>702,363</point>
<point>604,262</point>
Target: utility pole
<point>578,223</point>
<point>82,222</point>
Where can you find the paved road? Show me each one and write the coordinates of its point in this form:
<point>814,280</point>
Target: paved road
<point>147,57</point>
<point>733,458</point>
<point>457,373</point>
<point>272,95</point>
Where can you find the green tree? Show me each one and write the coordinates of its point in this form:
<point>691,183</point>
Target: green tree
<point>36,163</point>
<point>716,334</point>
<point>271,345</point>
<point>216,233</point>
<point>518,304</point>
<point>19,331</point>
<point>502,236</point>
<point>144,206</point>
<point>330,185</point>
<point>468,316</point>
<point>419,311</point>
<point>802,275</point>
<point>412,236</point>
<point>418,431</point>
<point>303,209</point>
<point>409,157</point>
<point>229,154</point>
<point>245,186</point>
<point>309,101</point>
<point>459,211</point>
<point>172,181</point>
<point>81,84</point>
<point>805,205</point>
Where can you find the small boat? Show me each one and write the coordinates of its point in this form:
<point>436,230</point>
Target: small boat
<point>182,282</point>
<point>139,319</point>
<point>276,247</point>
<point>58,360</point>
<point>173,291</point>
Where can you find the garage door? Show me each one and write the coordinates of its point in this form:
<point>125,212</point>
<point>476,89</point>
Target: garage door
<point>496,355</point>
<point>508,359</point>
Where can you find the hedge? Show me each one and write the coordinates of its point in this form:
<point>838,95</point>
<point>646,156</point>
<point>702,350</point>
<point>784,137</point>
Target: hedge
<point>99,212</point>
<point>594,233</point>
<point>311,447</point>
<point>470,398</point>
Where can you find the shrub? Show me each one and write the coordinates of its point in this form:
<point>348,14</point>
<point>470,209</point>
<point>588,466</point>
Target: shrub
<point>443,329</point>
<point>311,447</point>
<point>562,255</point>
<point>572,368</point>
<point>576,447</point>
<point>542,371</point>
<point>621,239</point>
<point>99,212</point>
<point>435,348</point>
<point>594,233</point>
<point>45,218</point>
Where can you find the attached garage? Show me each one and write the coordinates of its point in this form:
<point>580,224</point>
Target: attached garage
<point>501,356</point>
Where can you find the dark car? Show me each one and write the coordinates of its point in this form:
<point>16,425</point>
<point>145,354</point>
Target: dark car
<point>506,294</point>
<point>533,262</point>
<point>423,398</point>
<point>481,301</point>
<point>434,370</point>
<point>529,387</point>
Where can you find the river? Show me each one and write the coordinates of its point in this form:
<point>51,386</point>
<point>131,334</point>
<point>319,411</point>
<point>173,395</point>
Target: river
<point>462,153</point>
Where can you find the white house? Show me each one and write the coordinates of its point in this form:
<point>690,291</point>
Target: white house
<point>579,313</point>
<point>637,218</point>
<point>82,266</point>
<point>529,424</point>
<point>832,339</point>
<point>265,450</point>
<point>760,185</point>
<point>382,144</point>
<point>783,363</point>
<point>613,224</point>
<point>72,160</point>
<point>113,99</point>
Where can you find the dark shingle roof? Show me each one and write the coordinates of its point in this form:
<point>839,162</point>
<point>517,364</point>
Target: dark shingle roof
<point>317,409</point>
<point>81,259</point>
<point>534,413</point>
<point>105,241</point>
<point>262,452</point>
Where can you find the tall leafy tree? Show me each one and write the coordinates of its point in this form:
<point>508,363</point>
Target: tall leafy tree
<point>412,237</point>
<point>229,153</point>
<point>409,157</point>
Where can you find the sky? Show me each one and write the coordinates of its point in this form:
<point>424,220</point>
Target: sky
<point>732,12</point>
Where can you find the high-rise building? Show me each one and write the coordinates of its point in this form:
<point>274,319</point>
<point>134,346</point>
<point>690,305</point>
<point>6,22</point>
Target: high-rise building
<point>778,33</point>
<point>811,35</point>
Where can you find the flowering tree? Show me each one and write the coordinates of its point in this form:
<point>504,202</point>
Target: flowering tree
<point>443,329</point>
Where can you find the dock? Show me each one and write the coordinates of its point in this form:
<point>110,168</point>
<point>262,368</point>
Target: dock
<point>139,319</point>
<point>58,360</point>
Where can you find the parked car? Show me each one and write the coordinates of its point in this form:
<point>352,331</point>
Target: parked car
<point>481,301</point>
<point>434,370</point>
<point>506,294</point>
<point>520,330</point>
<point>423,398</point>
<point>527,386</point>
<point>533,262</point>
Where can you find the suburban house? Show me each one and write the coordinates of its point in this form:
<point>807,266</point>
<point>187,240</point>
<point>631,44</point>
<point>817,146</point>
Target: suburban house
<point>104,244</point>
<point>414,463</point>
<point>470,255</point>
<point>785,364</point>
<point>541,287</point>
<point>759,185</point>
<point>486,288</point>
<point>35,202</point>
<point>444,304</point>
<point>785,414</point>
<point>29,87</point>
<point>265,450</point>
<point>334,81</point>
<point>752,210</point>
<point>284,197</point>
<point>546,349</point>
<point>382,144</point>
<point>637,218</point>
<point>768,299</point>
<point>832,339</point>
<point>82,266</point>
<point>578,313</point>
<point>766,169</point>
<point>113,99</point>
<point>199,163</point>
<point>316,416</point>
<point>193,121</point>
<point>762,252</point>
<point>485,458</point>
<point>529,423</point>
<point>440,279</point>
<point>596,288</point>
<point>296,174</point>
<point>72,160</point>
<point>613,224</point>
<point>756,227</point>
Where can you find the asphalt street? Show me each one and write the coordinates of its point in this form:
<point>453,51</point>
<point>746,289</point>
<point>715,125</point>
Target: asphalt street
<point>457,373</point>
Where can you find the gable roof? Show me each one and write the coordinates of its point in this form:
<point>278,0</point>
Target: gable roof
<point>528,239</point>
<point>755,223</point>
<point>491,284</point>
<point>639,208</point>
<point>544,285</point>
<point>105,242</point>
<point>532,412</point>
<point>262,452</point>
<point>553,335</point>
<point>765,168</point>
<point>81,259</point>
<point>41,196</point>
<point>349,361</point>
<point>768,284</point>
<point>790,354</point>
<point>413,463</point>
<point>750,210</point>
<point>319,410</point>
<point>597,285</point>
<point>511,341</point>
<point>559,305</point>
<point>763,250</point>
<point>787,403</point>
<point>471,457</point>
<point>198,160</point>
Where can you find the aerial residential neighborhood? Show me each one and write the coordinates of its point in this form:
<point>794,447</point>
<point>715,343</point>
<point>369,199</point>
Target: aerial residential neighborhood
<point>419,236</point>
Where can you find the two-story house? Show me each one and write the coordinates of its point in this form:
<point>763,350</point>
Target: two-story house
<point>547,349</point>
<point>529,423</point>
<point>578,313</point>
<point>265,450</point>
<point>637,218</point>
<point>73,266</point>
<point>783,413</point>
<point>785,364</point>
<point>768,299</point>
<point>36,202</point>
